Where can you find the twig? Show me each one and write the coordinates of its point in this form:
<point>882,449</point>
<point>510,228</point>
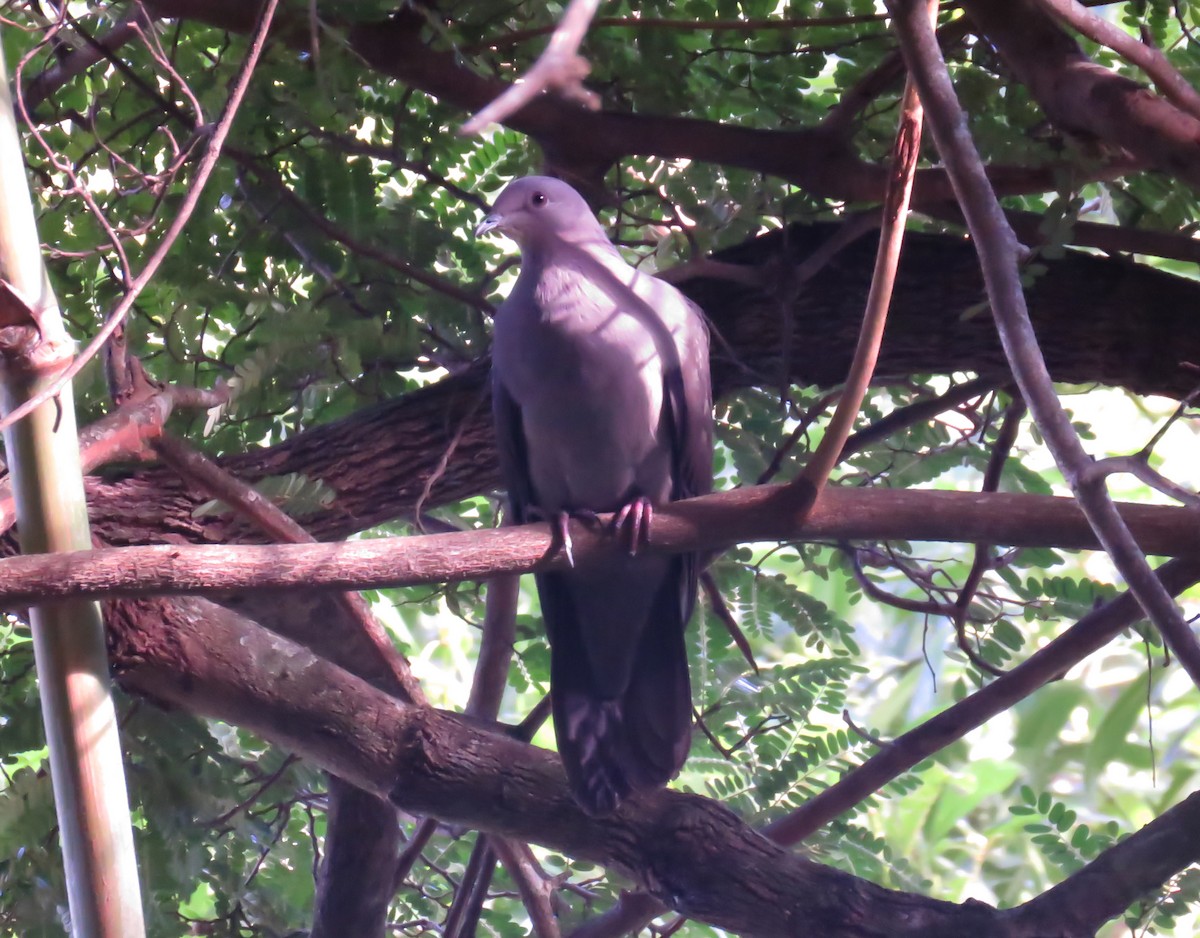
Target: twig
<point>221,819</point>
<point>905,153</point>
<point>531,882</point>
<point>559,67</point>
<point>998,256</point>
<point>1138,467</point>
<point>443,462</point>
<point>187,206</point>
<point>982,561</point>
<point>721,611</point>
<point>1180,410</point>
<point>806,420</point>
<point>1174,87</point>
<point>925,607</point>
<point>861,733</point>
<point>917,412</point>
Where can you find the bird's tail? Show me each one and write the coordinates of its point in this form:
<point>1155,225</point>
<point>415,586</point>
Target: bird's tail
<point>612,747</point>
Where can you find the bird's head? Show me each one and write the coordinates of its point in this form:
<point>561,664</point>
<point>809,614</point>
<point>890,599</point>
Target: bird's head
<point>534,208</point>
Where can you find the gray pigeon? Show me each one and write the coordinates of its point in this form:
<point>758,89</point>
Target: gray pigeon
<point>602,402</point>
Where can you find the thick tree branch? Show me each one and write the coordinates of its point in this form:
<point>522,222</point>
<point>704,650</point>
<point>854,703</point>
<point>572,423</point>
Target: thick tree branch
<point>589,142</point>
<point>686,850</point>
<point>437,764</point>
<point>1148,58</point>
<point>1111,883</point>
<point>1084,98</point>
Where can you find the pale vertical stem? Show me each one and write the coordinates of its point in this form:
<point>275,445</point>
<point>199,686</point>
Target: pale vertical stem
<point>68,636</point>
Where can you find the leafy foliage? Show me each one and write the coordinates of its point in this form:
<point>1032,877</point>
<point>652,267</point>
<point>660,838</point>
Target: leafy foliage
<point>331,266</point>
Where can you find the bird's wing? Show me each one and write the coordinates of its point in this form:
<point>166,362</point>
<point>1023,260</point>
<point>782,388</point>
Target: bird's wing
<point>510,446</point>
<point>689,398</point>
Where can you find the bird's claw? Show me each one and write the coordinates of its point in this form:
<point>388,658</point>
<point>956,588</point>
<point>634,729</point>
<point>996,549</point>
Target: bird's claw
<point>636,515</point>
<point>560,527</point>
<point>562,523</point>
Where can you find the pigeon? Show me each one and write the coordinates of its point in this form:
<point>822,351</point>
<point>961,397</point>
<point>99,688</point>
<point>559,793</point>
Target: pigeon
<point>602,403</point>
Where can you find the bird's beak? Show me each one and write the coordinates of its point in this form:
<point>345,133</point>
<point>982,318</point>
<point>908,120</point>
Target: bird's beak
<point>490,223</point>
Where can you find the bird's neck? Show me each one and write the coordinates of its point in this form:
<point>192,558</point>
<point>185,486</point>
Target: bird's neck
<point>572,270</point>
<point>555,249</point>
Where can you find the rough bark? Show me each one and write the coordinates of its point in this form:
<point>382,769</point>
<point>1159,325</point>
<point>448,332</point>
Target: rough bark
<point>687,851</point>
<point>1111,323</point>
<point>1135,333</point>
<point>356,881</point>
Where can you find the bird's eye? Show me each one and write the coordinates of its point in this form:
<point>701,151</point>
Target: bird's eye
<point>538,200</point>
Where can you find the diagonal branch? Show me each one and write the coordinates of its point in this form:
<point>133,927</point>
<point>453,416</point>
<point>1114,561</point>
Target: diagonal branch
<point>997,249</point>
<point>559,68</point>
<point>1081,96</point>
<point>219,483</point>
<point>212,662</point>
<point>1174,87</point>
<point>906,149</point>
<point>1086,636</point>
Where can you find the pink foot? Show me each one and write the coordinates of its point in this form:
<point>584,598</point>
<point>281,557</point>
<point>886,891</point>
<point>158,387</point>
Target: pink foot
<point>635,516</point>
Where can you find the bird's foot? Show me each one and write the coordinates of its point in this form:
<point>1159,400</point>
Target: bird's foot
<point>560,528</point>
<point>635,516</point>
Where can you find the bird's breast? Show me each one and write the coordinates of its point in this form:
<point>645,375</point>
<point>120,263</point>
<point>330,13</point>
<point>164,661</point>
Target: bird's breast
<point>588,381</point>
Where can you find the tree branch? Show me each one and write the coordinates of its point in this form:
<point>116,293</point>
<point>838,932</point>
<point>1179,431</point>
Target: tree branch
<point>583,140</point>
<point>269,518</point>
<point>1088,635</point>
<point>903,163</point>
<point>700,524</point>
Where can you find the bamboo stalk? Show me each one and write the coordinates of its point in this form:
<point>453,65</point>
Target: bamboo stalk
<point>72,666</point>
